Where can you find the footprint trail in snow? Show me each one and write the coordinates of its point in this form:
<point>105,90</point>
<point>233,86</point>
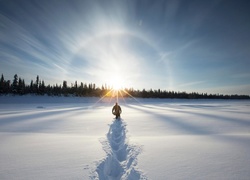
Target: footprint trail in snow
<point>121,158</point>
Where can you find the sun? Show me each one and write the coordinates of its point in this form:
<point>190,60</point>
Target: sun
<point>117,86</point>
<point>117,83</point>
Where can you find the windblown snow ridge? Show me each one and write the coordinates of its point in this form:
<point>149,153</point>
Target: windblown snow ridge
<point>121,157</point>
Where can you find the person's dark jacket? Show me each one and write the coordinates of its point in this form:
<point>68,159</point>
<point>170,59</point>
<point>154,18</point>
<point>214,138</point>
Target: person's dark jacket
<point>116,110</point>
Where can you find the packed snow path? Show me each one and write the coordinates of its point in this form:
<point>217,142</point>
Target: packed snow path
<point>121,156</point>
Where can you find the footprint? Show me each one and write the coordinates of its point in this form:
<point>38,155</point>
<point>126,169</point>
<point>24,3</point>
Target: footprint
<point>121,158</point>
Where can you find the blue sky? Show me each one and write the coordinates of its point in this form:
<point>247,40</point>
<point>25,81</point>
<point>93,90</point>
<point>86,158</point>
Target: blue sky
<point>193,46</point>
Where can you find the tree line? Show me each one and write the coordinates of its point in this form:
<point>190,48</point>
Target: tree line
<point>18,87</point>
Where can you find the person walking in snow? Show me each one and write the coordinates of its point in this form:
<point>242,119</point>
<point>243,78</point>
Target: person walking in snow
<point>116,110</point>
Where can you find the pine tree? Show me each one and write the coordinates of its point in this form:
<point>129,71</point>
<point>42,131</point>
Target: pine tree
<point>21,86</point>
<point>31,87</point>
<point>37,85</point>
<point>15,84</point>
<point>42,88</point>
<point>7,87</point>
<point>2,84</point>
<point>65,88</point>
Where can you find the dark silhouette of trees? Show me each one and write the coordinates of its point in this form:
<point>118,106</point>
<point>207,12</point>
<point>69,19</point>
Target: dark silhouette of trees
<point>21,86</point>
<point>2,84</point>
<point>14,84</point>
<point>18,87</point>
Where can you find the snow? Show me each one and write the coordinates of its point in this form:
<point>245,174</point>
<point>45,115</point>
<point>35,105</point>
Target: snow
<point>45,137</point>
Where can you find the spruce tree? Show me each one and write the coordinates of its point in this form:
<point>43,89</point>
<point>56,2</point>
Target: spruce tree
<point>42,87</point>
<point>2,84</point>
<point>31,87</point>
<point>37,85</point>
<point>15,84</point>
<point>65,88</point>
<point>21,86</point>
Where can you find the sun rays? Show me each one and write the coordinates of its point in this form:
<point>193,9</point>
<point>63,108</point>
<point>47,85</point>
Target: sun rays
<point>115,95</point>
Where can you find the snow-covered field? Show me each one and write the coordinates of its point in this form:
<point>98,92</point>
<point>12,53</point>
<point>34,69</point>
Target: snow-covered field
<point>77,138</point>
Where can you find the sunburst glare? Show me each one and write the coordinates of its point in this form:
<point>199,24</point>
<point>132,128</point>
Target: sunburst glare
<point>117,83</point>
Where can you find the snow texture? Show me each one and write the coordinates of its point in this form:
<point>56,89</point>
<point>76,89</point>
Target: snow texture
<point>76,138</point>
<point>121,156</point>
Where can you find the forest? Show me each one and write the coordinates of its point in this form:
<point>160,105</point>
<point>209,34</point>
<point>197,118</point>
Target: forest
<point>18,87</point>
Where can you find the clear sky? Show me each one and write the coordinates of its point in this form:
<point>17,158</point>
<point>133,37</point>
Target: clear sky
<point>186,45</point>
